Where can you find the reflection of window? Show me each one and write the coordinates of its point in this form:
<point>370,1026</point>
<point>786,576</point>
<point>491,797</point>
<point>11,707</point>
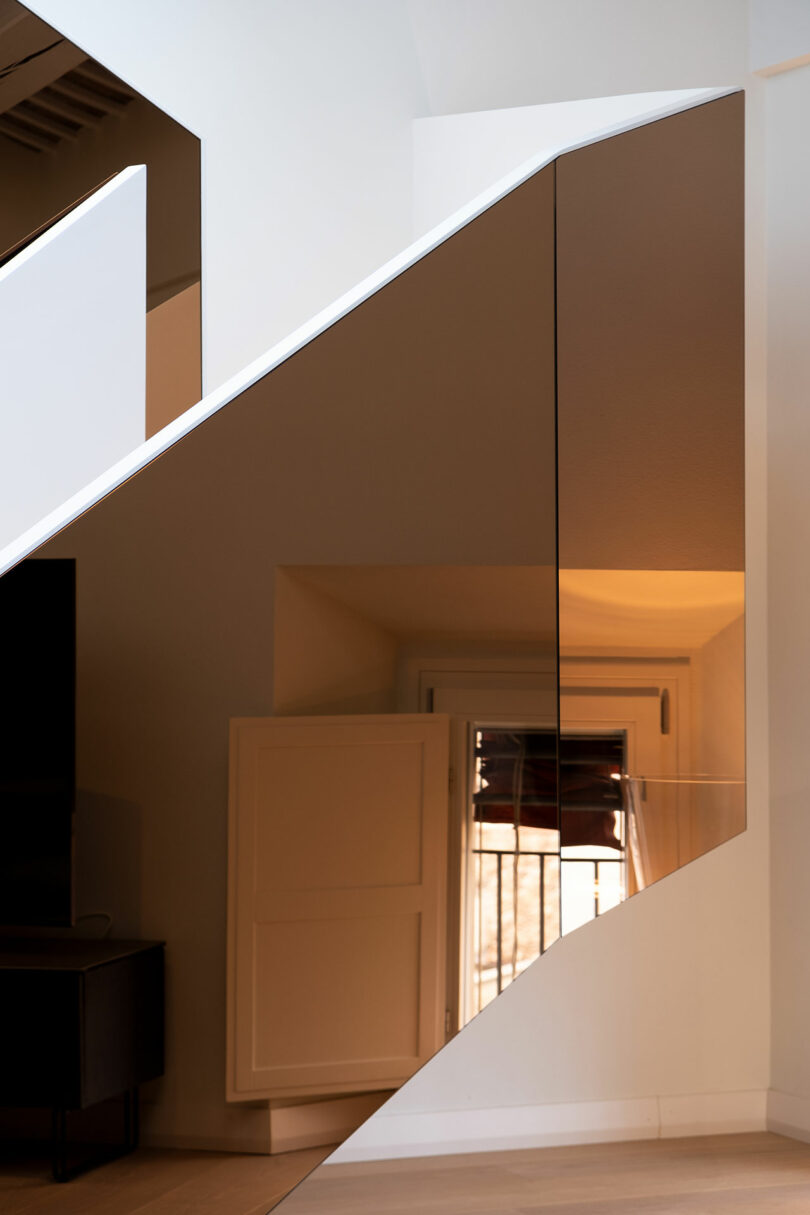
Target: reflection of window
<point>593,828</point>
<point>536,867</point>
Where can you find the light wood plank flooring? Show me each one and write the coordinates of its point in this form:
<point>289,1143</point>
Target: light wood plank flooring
<point>760,1173</point>
<point>744,1174</point>
<point>149,1182</point>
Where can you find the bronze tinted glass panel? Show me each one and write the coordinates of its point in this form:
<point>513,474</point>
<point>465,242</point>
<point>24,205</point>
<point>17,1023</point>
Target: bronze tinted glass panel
<point>650,417</point>
<point>651,524</point>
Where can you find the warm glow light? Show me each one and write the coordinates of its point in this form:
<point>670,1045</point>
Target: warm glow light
<point>647,608</point>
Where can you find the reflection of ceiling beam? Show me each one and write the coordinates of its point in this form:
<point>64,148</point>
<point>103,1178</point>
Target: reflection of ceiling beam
<point>99,77</point>
<point>34,116</point>
<point>103,100</point>
<point>49,90</point>
<point>65,108</point>
<point>22,133</point>
<point>11,13</point>
<point>26,65</point>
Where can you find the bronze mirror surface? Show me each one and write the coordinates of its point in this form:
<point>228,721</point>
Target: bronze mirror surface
<point>651,483</point>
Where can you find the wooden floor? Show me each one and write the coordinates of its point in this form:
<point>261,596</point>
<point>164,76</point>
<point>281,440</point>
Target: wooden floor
<point>158,1183</point>
<point>743,1174</point>
<point>759,1173</point>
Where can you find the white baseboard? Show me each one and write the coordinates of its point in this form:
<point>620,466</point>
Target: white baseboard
<point>449,1132</point>
<point>713,1113</point>
<point>789,1115</point>
<point>290,1128</point>
<point>320,1123</point>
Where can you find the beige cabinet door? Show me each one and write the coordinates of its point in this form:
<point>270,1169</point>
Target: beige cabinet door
<point>337,902</point>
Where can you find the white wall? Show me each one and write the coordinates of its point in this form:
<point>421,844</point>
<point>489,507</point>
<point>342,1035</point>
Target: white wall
<point>304,109</point>
<point>479,55</point>
<point>779,34</point>
<point>788,101</point>
<point>72,350</point>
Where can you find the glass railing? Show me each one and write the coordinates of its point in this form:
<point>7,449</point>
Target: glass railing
<point>672,820</point>
<point>618,834</point>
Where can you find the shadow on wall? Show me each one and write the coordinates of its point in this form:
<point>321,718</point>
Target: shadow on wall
<point>108,864</point>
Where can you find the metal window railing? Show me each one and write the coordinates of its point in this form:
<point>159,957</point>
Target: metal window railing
<point>542,857</point>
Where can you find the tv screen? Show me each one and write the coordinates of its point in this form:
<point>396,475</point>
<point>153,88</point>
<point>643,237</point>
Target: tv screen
<point>37,742</point>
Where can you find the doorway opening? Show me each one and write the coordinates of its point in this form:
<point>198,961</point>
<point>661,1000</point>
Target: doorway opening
<point>538,871</point>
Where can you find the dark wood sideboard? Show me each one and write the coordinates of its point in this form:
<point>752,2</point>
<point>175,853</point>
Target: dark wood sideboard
<point>82,1022</point>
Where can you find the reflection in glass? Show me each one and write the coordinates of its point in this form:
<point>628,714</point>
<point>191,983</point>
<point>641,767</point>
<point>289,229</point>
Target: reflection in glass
<point>534,880</point>
<point>649,550</point>
<point>651,476</point>
<point>593,827</point>
<point>658,656</point>
<point>707,806</point>
<point>516,854</point>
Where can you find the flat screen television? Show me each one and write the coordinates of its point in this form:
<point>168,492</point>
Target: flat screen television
<point>37,742</point>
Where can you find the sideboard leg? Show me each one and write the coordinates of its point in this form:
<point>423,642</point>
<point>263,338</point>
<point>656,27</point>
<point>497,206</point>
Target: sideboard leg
<point>59,1145</point>
<point>102,1153</point>
<point>131,1120</point>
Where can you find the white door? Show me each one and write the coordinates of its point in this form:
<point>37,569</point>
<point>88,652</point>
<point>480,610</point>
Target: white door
<point>337,902</point>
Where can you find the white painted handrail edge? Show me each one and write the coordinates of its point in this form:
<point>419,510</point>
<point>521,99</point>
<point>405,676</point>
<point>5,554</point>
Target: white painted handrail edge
<point>67,221</point>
